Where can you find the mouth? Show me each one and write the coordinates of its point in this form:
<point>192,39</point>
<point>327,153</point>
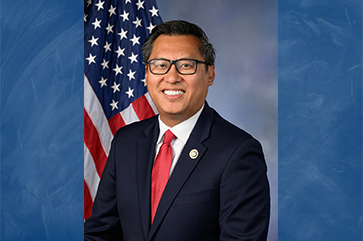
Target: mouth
<point>173,92</point>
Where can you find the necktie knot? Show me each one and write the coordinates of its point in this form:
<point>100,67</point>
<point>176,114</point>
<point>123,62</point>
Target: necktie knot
<point>168,137</point>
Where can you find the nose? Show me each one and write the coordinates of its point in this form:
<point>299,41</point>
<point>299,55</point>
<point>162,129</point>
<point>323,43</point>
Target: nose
<point>172,76</point>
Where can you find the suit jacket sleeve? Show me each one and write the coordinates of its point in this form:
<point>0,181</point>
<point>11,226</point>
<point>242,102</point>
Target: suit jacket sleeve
<point>104,223</point>
<point>244,195</point>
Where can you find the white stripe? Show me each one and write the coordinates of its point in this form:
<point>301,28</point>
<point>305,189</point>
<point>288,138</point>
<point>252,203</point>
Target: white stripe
<point>129,115</point>
<point>90,173</point>
<point>151,103</point>
<point>94,109</point>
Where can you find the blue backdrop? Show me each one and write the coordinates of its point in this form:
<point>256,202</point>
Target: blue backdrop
<point>320,120</point>
<point>319,94</point>
<point>41,120</point>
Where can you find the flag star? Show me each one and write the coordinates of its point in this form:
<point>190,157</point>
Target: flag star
<point>97,23</point>
<point>102,82</point>
<point>117,70</point>
<point>91,59</point>
<point>122,34</point>
<point>154,12</point>
<point>137,22</point>
<point>151,27</point>
<point>109,28</point>
<point>131,74</point>
<point>104,64</point>
<point>85,18</point>
<point>125,16</point>
<point>120,51</point>
<point>107,47</point>
<point>112,10</point>
<point>114,105</point>
<point>127,1</point>
<point>93,41</point>
<point>130,93</point>
<point>135,40</point>
<point>133,58</point>
<point>89,2</point>
<point>144,81</point>
<point>115,87</point>
<point>139,4</point>
<point>100,5</point>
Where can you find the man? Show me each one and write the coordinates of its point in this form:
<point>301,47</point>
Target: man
<point>215,186</point>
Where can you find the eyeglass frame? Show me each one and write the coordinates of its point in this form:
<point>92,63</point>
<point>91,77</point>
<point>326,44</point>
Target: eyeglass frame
<point>171,62</point>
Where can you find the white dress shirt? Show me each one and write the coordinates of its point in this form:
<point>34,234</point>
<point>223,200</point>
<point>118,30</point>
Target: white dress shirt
<point>182,132</point>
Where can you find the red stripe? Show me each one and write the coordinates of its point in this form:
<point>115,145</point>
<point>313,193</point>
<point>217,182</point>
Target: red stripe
<point>142,108</point>
<point>93,143</point>
<point>88,203</point>
<point>115,123</point>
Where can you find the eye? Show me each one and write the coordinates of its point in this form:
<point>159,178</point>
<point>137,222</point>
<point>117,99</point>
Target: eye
<point>186,64</point>
<point>160,64</point>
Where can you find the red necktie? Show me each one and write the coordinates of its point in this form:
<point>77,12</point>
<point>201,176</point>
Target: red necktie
<point>160,172</point>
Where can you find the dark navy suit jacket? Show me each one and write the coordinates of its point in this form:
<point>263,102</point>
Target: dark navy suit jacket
<point>222,194</point>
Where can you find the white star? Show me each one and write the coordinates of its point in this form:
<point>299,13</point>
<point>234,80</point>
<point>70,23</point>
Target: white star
<point>137,22</point>
<point>131,75</point>
<point>144,81</point>
<point>115,87</point>
<point>139,4</point>
<point>100,5</point>
<point>104,64</point>
<point>120,51</point>
<point>122,34</point>
<point>127,1</point>
<point>133,58</point>
<point>154,12</point>
<point>107,47</point>
<point>135,40</point>
<point>151,27</point>
<point>118,70</point>
<point>102,82</point>
<point>114,105</point>
<point>130,93</point>
<point>97,23</point>
<point>85,18</point>
<point>91,59</point>
<point>89,2</point>
<point>112,10</point>
<point>125,16</point>
<point>93,41</point>
<point>109,28</point>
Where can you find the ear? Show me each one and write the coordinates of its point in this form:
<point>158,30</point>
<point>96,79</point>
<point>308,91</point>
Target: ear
<point>211,74</point>
<point>146,73</point>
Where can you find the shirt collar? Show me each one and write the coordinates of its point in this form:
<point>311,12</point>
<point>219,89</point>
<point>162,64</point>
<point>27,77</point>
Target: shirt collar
<point>182,130</point>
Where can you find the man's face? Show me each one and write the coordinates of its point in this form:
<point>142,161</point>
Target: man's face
<point>178,97</point>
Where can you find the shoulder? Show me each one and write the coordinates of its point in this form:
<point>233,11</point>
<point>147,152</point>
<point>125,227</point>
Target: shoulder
<point>137,129</point>
<point>225,129</point>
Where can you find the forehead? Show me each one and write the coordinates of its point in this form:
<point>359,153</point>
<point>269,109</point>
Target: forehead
<point>179,46</point>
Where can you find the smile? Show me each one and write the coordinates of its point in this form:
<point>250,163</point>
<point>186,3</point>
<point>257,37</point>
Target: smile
<point>173,92</point>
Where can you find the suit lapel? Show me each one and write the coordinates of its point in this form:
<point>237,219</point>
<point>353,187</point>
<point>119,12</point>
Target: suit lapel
<point>185,166</point>
<point>144,158</point>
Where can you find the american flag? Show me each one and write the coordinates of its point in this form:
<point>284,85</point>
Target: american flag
<point>114,86</point>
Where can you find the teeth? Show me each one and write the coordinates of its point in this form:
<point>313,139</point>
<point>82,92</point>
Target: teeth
<point>173,92</point>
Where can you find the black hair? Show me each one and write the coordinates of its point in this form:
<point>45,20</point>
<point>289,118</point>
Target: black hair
<point>179,28</point>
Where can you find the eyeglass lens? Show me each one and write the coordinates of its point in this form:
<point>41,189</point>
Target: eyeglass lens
<point>184,66</point>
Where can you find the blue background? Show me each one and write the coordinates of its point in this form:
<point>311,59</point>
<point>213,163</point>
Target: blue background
<point>41,120</point>
<point>319,114</point>
<point>320,120</point>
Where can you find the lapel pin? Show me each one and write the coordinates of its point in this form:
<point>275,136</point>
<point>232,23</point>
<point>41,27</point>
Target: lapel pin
<point>193,153</point>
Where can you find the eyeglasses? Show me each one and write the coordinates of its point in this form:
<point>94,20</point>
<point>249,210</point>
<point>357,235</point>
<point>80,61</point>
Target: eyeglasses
<point>183,66</point>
